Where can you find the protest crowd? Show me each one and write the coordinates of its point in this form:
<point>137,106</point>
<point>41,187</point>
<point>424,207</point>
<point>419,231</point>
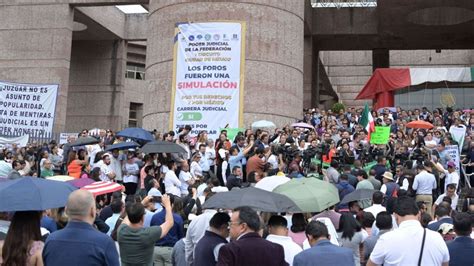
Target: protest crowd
<point>404,199</point>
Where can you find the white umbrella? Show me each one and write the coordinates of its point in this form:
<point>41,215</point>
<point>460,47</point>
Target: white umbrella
<point>269,183</point>
<point>263,124</point>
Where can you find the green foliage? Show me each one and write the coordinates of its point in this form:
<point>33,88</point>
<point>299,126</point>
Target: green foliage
<point>337,107</point>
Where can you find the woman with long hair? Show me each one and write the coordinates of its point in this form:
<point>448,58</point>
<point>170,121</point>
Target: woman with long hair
<point>350,235</point>
<point>74,164</point>
<point>298,227</point>
<point>23,245</point>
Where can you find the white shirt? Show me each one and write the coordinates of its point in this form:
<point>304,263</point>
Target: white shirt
<point>195,232</point>
<point>451,178</point>
<point>454,200</point>
<point>290,247</point>
<point>273,160</point>
<point>184,177</point>
<point>111,221</point>
<point>172,184</point>
<point>225,164</point>
<point>116,167</point>
<point>402,246</point>
<point>424,183</point>
<point>211,155</point>
<point>104,170</point>
<point>196,170</point>
<point>132,171</point>
<point>375,209</point>
<point>204,162</point>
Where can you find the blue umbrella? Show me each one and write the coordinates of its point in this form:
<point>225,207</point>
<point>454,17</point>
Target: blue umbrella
<point>136,133</point>
<point>122,146</point>
<point>33,194</point>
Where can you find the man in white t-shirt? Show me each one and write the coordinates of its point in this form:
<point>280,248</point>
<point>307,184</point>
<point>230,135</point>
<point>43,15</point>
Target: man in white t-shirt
<point>451,193</point>
<point>278,229</point>
<point>403,246</point>
<point>451,176</point>
<point>186,179</point>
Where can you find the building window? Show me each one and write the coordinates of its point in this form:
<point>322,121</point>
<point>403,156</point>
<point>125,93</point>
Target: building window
<point>135,115</point>
<point>135,72</point>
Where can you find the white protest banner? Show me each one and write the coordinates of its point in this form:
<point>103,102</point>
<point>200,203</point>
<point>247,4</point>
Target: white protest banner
<point>458,134</point>
<point>20,141</point>
<point>453,152</point>
<point>64,136</point>
<point>208,75</point>
<point>27,109</point>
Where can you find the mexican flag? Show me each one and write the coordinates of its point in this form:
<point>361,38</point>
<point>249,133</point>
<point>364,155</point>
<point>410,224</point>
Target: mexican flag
<point>367,121</point>
<point>390,79</point>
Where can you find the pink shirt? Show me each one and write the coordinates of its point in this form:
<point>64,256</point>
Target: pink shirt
<point>298,238</point>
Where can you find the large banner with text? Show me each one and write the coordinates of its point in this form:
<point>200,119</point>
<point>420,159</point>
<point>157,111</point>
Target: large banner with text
<point>27,109</point>
<point>207,91</point>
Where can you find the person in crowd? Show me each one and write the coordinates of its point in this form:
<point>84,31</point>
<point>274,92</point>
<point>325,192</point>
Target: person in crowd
<point>117,207</point>
<point>23,243</point>
<point>376,183</point>
<point>5,167</point>
<point>278,233</point>
<point>376,208</point>
<point>297,229</point>
<point>196,169</point>
<point>257,161</point>
<point>344,188</point>
<point>462,247</point>
<point>247,246</point>
<point>171,181</point>
<point>380,167</point>
<point>450,193</point>
<point>79,240</point>
<point>383,222</point>
<point>424,184</point>
<point>330,213</point>
<point>332,172</point>
<point>207,248</point>
<point>389,187</point>
<point>136,242</point>
<point>130,172</point>
<point>164,246</point>
<point>47,170</point>
<point>442,216</point>
<point>196,231</point>
<point>363,183</point>
<point>74,164</point>
<point>351,235</point>
<point>16,167</point>
<point>235,178</point>
<point>105,166</point>
<point>322,251</point>
<point>415,245</point>
<point>451,175</point>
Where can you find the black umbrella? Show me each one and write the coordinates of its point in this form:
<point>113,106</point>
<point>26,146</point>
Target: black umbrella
<point>136,133</point>
<point>83,141</point>
<point>162,147</point>
<point>122,146</point>
<point>255,198</point>
<point>359,194</point>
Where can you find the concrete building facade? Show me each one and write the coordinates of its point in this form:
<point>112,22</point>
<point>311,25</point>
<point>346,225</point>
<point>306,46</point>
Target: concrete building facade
<point>115,69</point>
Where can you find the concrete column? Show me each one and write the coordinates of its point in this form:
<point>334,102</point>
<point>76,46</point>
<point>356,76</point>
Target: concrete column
<point>97,80</point>
<point>381,59</point>
<point>274,55</point>
<point>35,47</point>
<point>310,70</point>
